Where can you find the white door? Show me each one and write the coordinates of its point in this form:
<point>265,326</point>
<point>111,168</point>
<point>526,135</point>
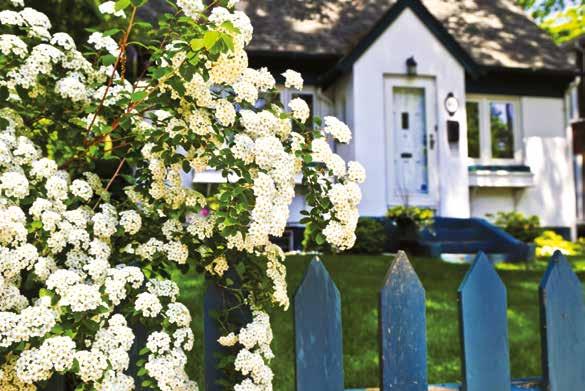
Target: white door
<point>412,144</point>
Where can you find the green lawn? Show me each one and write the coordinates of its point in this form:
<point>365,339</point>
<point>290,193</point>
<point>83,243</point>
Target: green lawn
<point>359,278</point>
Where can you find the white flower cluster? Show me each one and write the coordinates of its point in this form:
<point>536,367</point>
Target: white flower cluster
<point>100,41</point>
<point>344,195</point>
<point>191,8</point>
<point>251,360</point>
<point>38,364</point>
<point>167,356</point>
<point>109,8</point>
<point>40,54</point>
<point>300,109</point>
<point>293,79</point>
<point>83,281</point>
<point>276,271</point>
<point>337,129</point>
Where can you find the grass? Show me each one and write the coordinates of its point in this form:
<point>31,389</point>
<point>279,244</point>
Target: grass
<point>359,279</point>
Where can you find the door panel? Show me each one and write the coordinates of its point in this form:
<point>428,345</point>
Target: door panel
<point>410,138</point>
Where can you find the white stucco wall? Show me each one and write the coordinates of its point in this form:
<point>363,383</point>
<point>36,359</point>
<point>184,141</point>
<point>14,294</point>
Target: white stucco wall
<point>547,151</point>
<point>406,37</point>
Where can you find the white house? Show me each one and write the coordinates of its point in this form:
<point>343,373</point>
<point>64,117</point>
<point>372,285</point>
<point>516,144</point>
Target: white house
<point>458,105</point>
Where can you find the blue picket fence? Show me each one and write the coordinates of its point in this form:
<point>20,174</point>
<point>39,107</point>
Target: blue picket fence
<point>485,355</point>
<point>483,331</point>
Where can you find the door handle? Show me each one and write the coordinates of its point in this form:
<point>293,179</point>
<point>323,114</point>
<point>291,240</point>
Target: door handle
<point>432,141</point>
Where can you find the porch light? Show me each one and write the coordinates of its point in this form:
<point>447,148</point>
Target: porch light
<point>411,65</point>
<point>451,104</point>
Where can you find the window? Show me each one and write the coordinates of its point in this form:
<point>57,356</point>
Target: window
<point>502,130</point>
<point>493,129</point>
<point>472,129</point>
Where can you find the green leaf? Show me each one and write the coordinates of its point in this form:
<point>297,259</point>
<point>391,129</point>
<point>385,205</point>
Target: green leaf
<point>108,59</point>
<point>228,41</point>
<point>197,44</point>
<point>109,33</point>
<point>210,39</point>
<point>122,4</point>
<point>186,166</point>
<point>4,94</point>
<point>139,95</point>
<point>45,292</point>
<point>4,123</point>
<point>229,26</point>
<point>143,24</point>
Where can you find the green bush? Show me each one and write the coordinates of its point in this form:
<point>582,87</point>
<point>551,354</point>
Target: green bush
<point>549,241</point>
<point>523,228</point>
<point>370,237</point>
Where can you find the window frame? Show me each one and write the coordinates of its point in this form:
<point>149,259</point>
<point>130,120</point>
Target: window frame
<point>485,139</point>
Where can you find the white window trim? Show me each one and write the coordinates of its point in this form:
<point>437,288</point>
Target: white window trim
<point>485,142</point>
<point>572,102</point>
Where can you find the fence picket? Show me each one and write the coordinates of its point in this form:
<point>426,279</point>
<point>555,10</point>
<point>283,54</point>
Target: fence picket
<point>403,349</point>
<point>484,328</point>
<point>562,320</point>
<point>216,301</point>
<point>318,332</point>
<point>56,383</point>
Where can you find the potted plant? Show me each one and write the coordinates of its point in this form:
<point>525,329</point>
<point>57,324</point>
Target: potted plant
<point>409,221</point>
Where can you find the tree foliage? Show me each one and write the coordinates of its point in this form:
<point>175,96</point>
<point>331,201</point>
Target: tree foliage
<point>563,19</point>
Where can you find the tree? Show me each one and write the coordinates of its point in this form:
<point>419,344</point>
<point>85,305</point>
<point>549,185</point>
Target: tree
<point>563,19</point>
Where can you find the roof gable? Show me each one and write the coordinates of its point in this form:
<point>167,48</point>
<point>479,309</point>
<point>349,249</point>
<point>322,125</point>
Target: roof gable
<point>431,23</point>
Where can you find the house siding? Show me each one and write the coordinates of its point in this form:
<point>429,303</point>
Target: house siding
<point>387,56</point>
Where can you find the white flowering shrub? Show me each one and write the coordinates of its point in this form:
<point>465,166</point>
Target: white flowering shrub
<point>81,264</point>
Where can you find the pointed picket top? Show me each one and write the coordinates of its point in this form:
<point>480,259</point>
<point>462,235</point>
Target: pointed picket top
<point>401,269</point>
<point>318,331</point>
<point>403,349</point>
<point>562,321</point>
<point>484,328</point>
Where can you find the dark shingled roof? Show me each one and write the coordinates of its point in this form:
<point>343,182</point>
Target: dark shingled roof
<point>495,33</point>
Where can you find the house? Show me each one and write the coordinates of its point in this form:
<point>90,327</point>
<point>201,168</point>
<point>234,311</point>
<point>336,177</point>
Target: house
<point>456,105</point>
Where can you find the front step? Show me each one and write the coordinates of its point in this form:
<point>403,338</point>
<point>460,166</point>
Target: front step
<point>469,236</point>
<point>469,258</point>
